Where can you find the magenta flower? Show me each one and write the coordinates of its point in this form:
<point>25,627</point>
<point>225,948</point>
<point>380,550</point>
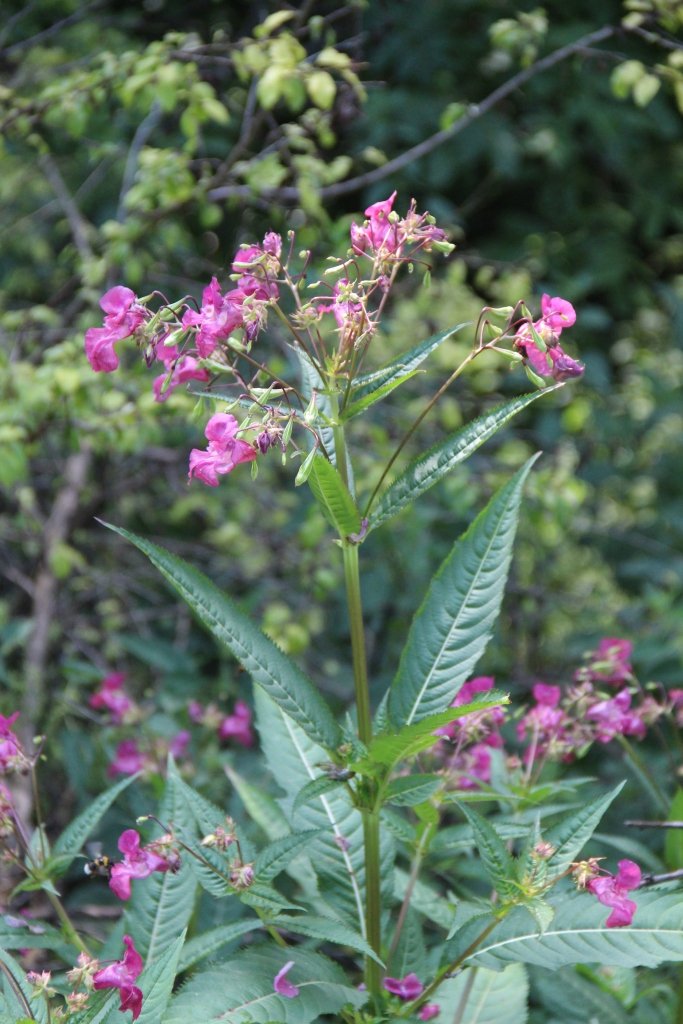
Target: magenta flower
<point>122,975</point>
<point>344,308</point>
<point>195,712</point>
<point>184,369</point>
<point>225,450</point>
<point>128,760</point>
<point>610,663</point>
<point>124,316</point>
<point>378,233</point>
<point>406,988</point>
<point>430,1011</point>
<point>282,986</point>
<point>138,862</point>
<point>179,743</point>
<point>217,319</point>
<point>613,892</point>
<point>238,725</point>
<point>564,367</point>
<point>614,717</point>
<point>12,756</point>
<point>557,313</point>
<point>474,763</point>
<point>112,696</point>
<point>478,724</point>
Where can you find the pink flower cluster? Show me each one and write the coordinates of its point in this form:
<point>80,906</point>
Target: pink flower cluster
<point>551,360</point>
<point>610,663</point>
<point>150,757</point>
<point>236,726</point>
<point>224,452</point>
<point>124,316</point>
<point>12,756</point>
<point>474,737</point>
<point>122,975</point>
<point>612,891</point>
<point>384,234</point>
<point>139,862</point>
<point>111,695</point>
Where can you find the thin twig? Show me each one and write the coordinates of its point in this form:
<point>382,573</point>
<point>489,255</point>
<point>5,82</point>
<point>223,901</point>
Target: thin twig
<point>75,218</point>
<point>142,134</point>
<point>52,30</point>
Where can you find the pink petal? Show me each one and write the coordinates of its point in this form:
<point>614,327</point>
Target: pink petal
<point>282,986</point>
<point>117,300</point>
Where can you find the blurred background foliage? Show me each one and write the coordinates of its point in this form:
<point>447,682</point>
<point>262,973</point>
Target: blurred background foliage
<point>142,143</point>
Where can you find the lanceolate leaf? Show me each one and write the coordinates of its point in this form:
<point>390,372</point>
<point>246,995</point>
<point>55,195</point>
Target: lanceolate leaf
<point>332,495</point>
<point>310,382</point>
<point>260,806</point>
<point>270,668</point>
<point>76,833</point>
<point>209,942</point>
<point>452,628</point>
<point>491,997</point>
<point>156,982</point>
<point>572,834</point>
<point>315,788</point>
<point>409,790</point>
<point>493,852</point>
<point>363,403</point>
<point>370,383</point>
<point>241,989</point>
<point>428,468</point>
<point>578,935</point>
<point>328,930</point>
<point>275,858</point>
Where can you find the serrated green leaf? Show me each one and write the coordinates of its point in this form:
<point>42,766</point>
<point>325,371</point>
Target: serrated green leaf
<point>275,858</point>
<point>493,852</point>
<point>410,955</point>
<point>492,997</point>
<point>16,1006</point>
<point>425,900</point>
<point>327,929</point>
<point>333,496</point>
<point>280,677</point>
<point>76,832</point>
<point>541,912</point>
<point>430,467</point>
<point>241,989</point>
<point>673,843</point>
<point>571,835</point>
<point>260,806</point>
<point>265,897</point>
<point>209,942</point>
<point>451,629</point>
<point>578,934</point>
<point>311,381</point>
<point>575,1000</point>
<point>162,904</point>
<point>33,934</point>
<point>368,399</point>
<point>314,788</point>
<point>398,370</point>
<point>408,790</point>
<point>397,825</point>
<point>461,837</point>
<point>156,983</point>
<point>389,749</point>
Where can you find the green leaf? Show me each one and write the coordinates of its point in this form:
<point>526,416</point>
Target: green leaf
<point>408,790</point>
<point>388,749</point>
<point>380,382</point>
<point>541,911</point>
<point>410,955</point>
<point>76,832</point>
<point>327,929</point>
<point>571,835</point>
<point>575,1000</point>
<point>156,982</point>
<point>673,843</point>
<point>492,997</point>
<point>162,904</point>
<point>314,788</point>
<point>260,806</point>
<point>281,678</point>
<point>493,852</point>
<point>31,934</point>
<point>397,825</point>
<point>16,1005</point>
<point>275,858</point>
<point>333,497</point>
<point>209,942</point>
<point>578,934</point>
<point>265,897</point>
<point>361,404</point>
<point>452,628</point>
<point>462,837</point>
<point>311,381</point>
<point>425,900</point>
<point>241,989</point>
<point>430,467</point>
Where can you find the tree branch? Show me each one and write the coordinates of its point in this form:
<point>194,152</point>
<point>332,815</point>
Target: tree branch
<point>48,32</point>
<point>142,134</point>
<point>76,221</point>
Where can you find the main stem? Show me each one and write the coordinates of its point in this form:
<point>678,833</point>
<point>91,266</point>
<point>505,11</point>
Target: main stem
<point>370,814</point>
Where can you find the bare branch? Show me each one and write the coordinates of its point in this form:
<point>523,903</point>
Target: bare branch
<point>142,134</point>
<point>52,30</point>
<point>76,220</point>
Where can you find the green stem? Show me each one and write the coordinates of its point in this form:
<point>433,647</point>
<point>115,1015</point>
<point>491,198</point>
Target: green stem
<point>679,1000</point>
<point>373,905</point>
<point>360,672</point>
<point>274,934</point>
<point>338,434</point>
<point>645,777</point>
<point>67,924</point>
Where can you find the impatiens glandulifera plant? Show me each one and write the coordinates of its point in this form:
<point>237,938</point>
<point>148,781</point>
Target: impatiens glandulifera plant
<point>366,795</point>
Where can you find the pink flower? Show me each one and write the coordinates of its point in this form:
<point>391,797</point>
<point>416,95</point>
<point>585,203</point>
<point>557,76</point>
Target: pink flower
<point>195,712</point>
<point>430,1011</point>
<point>477,724</point>
<point>225,451</point>
<point>406,988</point>
<point>474,763</point>
<point>610,663</point>
<point>12,756</point>
<point>122,975</point>
<point>557,313</point>
<point>612,892</point>
<point>238,725</point>
<point>241,876</point>
<point>124,316</point>
<point>545,721</point>
<point>613,718</point>
<point>378,232</point>
<point>112,697</point>
<point>282,986</point>
<point>344,308</point>
<point>564,367</point>
<point>128,759</point>
<point>547,695</point>
<point>217,319</point>
<point>179,743</point>
<point>184,369</point>
<point>138,862</point>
